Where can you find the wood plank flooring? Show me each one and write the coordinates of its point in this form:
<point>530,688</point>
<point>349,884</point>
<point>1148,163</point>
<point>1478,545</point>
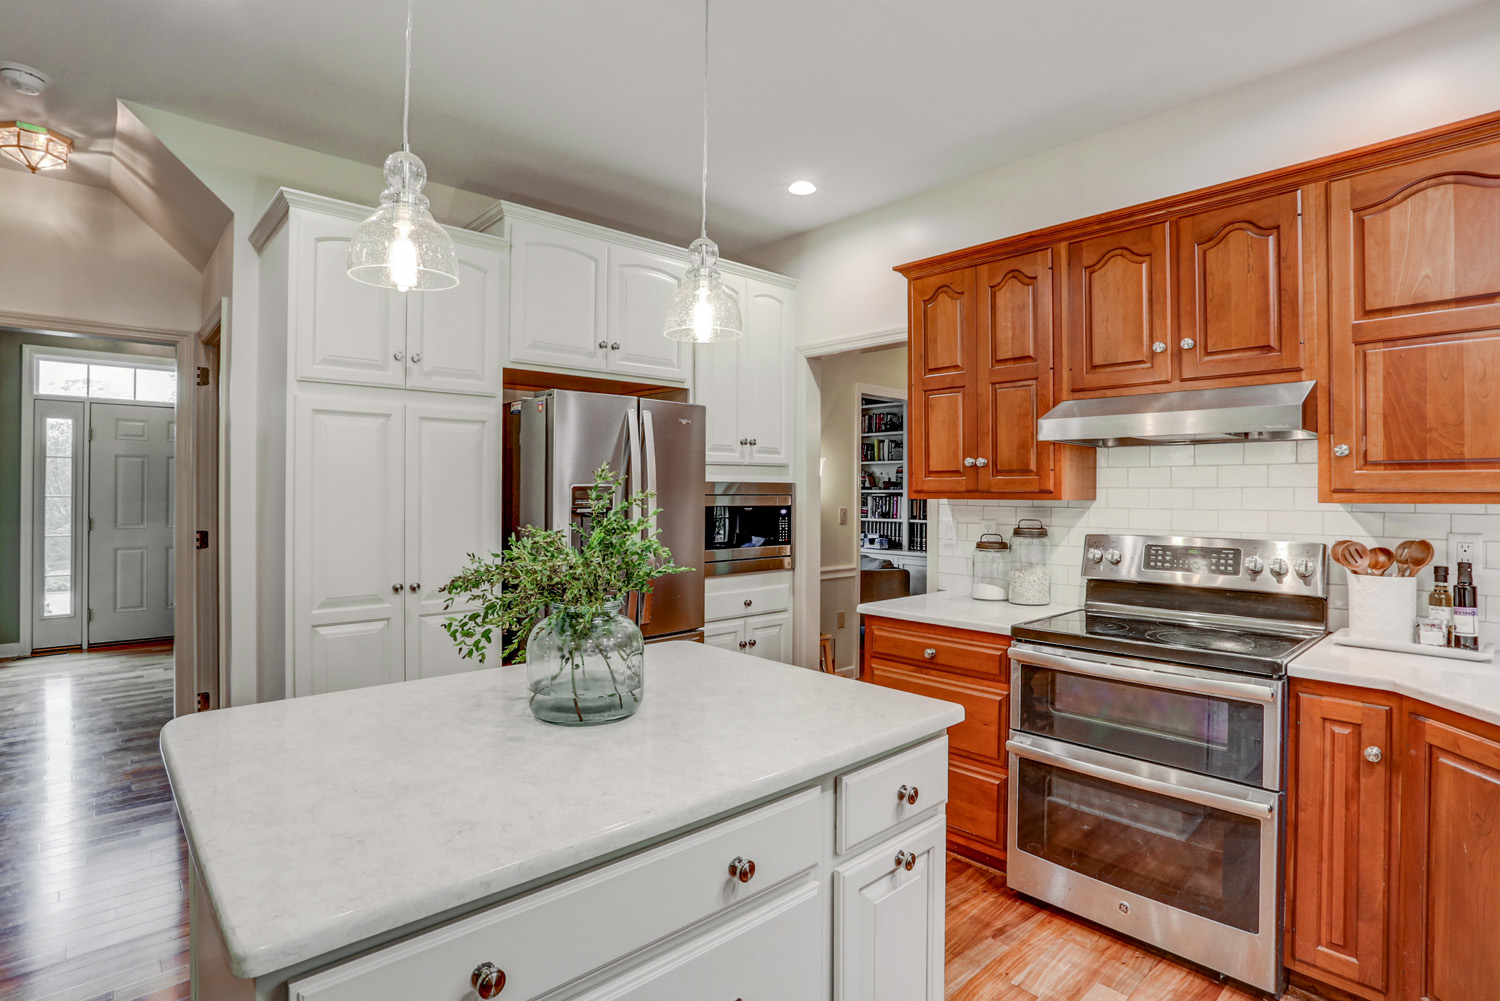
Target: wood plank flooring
<point>93,866</point>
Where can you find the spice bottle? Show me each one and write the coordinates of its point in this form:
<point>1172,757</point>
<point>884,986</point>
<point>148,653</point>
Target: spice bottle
<point>1465,610</point>
<point>1440,606</point>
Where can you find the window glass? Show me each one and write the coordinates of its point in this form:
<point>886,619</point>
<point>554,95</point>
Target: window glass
<point>155,385</point>
<point>112,382</point>
<point>61,378</point>
<point>57,517</point>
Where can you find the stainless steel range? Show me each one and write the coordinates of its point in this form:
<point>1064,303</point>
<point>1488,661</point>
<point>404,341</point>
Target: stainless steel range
<point>1146,740</point>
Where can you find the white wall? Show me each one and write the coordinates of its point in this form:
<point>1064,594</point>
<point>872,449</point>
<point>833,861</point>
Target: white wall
<point>1441,73</point>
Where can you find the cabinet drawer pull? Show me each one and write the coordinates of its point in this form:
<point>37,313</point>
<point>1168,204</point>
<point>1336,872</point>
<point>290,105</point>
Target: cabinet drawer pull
<point>1372,754</point>
<point>488,980</point>
<point>1159,347</point>
<point>742,869</point>
<point>906,860</point>
<point>1341,450</point>
<point>929,653</point>
<point>1187,343</point>
<point>747,602</point>
<point>907,795</point>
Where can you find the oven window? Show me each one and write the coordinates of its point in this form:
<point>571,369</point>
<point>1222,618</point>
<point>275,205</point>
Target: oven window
<point>1193,858</point>
<point>1207,734</point>
<point>736,526</point>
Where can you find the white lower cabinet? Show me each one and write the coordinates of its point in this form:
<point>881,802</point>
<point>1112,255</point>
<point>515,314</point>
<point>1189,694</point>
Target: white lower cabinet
<point>768,637</point>
<point>888,919</point>
<point>388,498</point>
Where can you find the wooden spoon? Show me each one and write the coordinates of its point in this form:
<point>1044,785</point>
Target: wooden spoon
<point>1418,556</point>
<point>1354,557</point>
<point>1381,560</point>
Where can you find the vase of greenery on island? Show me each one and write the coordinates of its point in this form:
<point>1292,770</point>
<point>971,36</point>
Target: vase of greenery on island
<point>559,606</point>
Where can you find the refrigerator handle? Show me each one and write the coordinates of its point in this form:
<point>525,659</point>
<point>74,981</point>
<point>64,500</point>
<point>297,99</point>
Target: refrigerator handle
<point>649,427</point>
<point>633,461</point>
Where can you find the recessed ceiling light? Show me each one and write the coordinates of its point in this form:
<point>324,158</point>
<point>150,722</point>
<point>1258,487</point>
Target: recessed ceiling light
<point>802,187</point>
<point>24,79</point>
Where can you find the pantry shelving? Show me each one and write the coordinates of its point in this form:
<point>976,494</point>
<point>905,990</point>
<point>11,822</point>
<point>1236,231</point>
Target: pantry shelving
<point>885,512</point>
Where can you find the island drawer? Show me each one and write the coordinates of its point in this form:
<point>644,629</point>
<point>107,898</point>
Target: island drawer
<point>555,935</point>
<point>868,805</point>
<point>734,602</point>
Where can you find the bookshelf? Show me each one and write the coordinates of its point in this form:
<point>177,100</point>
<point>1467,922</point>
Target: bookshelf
<point>884,508</point>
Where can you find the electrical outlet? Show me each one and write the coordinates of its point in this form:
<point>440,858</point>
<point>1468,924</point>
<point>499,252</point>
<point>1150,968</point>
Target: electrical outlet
<point>1465,549</point>
<point>843,516</point>
<point>841,620</point>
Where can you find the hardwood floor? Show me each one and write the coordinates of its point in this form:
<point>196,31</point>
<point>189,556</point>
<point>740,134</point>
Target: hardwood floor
<point>93,866</point>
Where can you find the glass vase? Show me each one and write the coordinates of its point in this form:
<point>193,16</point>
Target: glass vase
<point>585,666</point>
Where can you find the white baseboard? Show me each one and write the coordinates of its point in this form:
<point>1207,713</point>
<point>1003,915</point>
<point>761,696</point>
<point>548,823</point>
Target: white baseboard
<point>9,650</point>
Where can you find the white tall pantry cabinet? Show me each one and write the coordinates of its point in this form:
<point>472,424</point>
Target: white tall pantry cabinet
<point>382,452</point>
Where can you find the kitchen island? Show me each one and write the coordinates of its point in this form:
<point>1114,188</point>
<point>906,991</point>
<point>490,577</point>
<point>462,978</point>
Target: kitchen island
<point>418,840</point>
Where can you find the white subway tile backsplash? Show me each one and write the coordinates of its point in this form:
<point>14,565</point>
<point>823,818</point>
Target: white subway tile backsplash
<point>1169,498</point>
<point>1219,455</point>
<point>1150,520</point>
<point>1293,475</point>
<point>1270,451</point>
<point>1307,451</point>
<point>1244,523</point>
<point>1220,498</point>
<point>1128,497</point>
<point>1266,498</point>
<point>1488,524</point>
<point>1172,455</point>
<point>1127,456</point>
<point>1110,476</point>
<point>1195,476</point>
<point>1243,476</point>
<point>1196,522</point>
<point>1417,526</point>
<point>1150,476</point>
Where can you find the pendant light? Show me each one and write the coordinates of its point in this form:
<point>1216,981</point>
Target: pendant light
<point>703,310</point>
<point>401,246</point>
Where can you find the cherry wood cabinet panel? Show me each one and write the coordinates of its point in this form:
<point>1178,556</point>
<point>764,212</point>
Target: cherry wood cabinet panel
<point>976,809</point>
<point>942,431</point>
<point>1340,839</point>
<point>986,707</point>
<point>964,651</point>
<point>1118,327</point>
<point>1014,366</point>
<point>1451,876</point>
<point>1239,289</point>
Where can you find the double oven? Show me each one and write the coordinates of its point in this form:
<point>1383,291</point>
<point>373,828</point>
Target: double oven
<point>1146,744</point>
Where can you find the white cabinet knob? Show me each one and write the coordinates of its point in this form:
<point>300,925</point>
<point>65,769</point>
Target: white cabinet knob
<point>400,355</point>
<point>416,356</point>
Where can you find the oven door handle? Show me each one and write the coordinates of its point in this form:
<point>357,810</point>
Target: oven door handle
<point>1202,797</point>
<point>1145,674</point>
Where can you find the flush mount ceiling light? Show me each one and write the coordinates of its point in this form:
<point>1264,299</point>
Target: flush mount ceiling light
<point>401,246</point>
<point>802,187</point>
<point>703,310</point>
<point>35,147</point>
<point>24,79</point>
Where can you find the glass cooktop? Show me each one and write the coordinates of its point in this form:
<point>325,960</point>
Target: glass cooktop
<point>1227,648</point>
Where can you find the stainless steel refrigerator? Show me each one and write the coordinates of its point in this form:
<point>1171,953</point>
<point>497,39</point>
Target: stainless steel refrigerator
<point>553,444</point>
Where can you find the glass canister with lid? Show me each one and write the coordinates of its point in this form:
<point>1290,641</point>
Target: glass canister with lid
<point>1030,564</point>
<point>991,568</point>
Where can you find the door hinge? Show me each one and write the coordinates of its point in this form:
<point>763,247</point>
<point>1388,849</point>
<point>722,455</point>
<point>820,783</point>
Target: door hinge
<point>91,524</point>
<point>202,376</point>
<point>91,434</point>
<point>202,701</point>
<point>91,615</point>
<point>202,540</point>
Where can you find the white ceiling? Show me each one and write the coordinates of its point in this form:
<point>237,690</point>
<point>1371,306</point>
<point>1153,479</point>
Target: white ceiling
<point>592,108</point>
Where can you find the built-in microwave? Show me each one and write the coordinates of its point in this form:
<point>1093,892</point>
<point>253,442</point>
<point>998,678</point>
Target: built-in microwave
<point>747,527</point>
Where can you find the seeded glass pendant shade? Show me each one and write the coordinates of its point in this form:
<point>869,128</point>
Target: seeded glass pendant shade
<point>703,310</point>
<point>401,246</point>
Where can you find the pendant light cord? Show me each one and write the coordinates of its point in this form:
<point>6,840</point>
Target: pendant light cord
<point>406,100</point>
<point>704,228</point>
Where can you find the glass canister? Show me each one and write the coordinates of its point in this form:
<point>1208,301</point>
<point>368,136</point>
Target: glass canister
<point>991,568</point>
<point>1030,564</point>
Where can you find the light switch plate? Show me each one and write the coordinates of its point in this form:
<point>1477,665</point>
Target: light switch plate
<point>843,516</point>
<point>841,620</point>
<point>1465,549</point>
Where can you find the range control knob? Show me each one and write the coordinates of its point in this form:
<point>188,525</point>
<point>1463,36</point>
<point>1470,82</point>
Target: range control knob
<point>1095,554</point>
<point>1113,555</point>
<point>1304,568</point>
<point>1279,567</point>
<point>1254,564</point>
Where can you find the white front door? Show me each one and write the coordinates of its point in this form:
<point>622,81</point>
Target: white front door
<point>131,514</point>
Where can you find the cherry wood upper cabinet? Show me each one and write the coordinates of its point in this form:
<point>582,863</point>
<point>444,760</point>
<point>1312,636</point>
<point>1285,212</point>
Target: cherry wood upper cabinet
<point>1119,316</point>
<point>943,433</point>
<point>1414,331</point>
<point>1014,373</point>
<point>1451,864</point>
<point>1239,289</point>
<point>1340,840</point>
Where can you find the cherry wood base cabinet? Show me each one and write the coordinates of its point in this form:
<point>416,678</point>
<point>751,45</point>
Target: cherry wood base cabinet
<point>1394,847</point>
<point>972,669</point>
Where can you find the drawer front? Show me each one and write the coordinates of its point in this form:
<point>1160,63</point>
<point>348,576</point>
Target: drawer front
<point>951,649</point>
<point>867,802</point>
<point>986,707</point>
<point>774,951</point>
<point>740,601</point>
<point>976,801</point>
<point>559,933</point>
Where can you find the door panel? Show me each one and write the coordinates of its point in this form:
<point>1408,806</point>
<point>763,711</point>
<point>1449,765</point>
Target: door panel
<point>726,635</point>
<point>452,488</point>
<point>58,532</point>
<point>769,637</point>
<point>943,430</point>
<point>765,411</point>
<point>130,507</point>
<point>349,575</point>
<point>986,710</point>
<point>976,802</point>
<point>640,286</point>
<point>453,345</point>
<point>558,286</point>
<point>1119,310</point>
<point>1239,289</point>
<point>346,331</point>
<point>718,384</point>
<point>1014,382</point>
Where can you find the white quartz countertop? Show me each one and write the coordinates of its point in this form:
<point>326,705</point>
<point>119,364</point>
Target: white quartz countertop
<point>958,610</point>
<point>1468,687</point>
<point>320,822</point>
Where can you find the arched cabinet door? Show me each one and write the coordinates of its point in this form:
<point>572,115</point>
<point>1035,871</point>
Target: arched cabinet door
<point>942,425</point>
<point>1414,330</point>
<point>1119,329</point>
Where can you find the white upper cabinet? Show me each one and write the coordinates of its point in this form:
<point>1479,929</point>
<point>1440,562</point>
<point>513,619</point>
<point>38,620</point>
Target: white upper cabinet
<point>747,384</point>
<point>453,342</point>
<point>640,285</point>
<point>558,289</point>
<point>717,385</point>
<point>345,331</point>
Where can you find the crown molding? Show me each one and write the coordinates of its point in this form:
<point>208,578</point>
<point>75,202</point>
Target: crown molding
<point>287,199</point>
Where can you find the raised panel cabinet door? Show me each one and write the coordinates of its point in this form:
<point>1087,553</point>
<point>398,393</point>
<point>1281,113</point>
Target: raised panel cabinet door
<point>348,552</point>
<point>766,372</point>
<point>986,715</point>
<point>454,336</point>
<point>559,283</point>
<point>728,634</point>
<point>344,330</point>
<point>943,433</point>
<point>1014,373</point>
<point>452,510</point>
<point>1414,329</point>
<point>976,805</point>
<point>888,919</point>
<point>1239,289</point>
<point>718,384</point>
<point>769,637</point>
<point>1341,838</point>
<point>1451,864</point>
<point>1119,311</point>
<point>640,285</point>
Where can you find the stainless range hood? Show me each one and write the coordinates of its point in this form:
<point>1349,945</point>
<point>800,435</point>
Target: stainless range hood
<point>1281,412</point>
